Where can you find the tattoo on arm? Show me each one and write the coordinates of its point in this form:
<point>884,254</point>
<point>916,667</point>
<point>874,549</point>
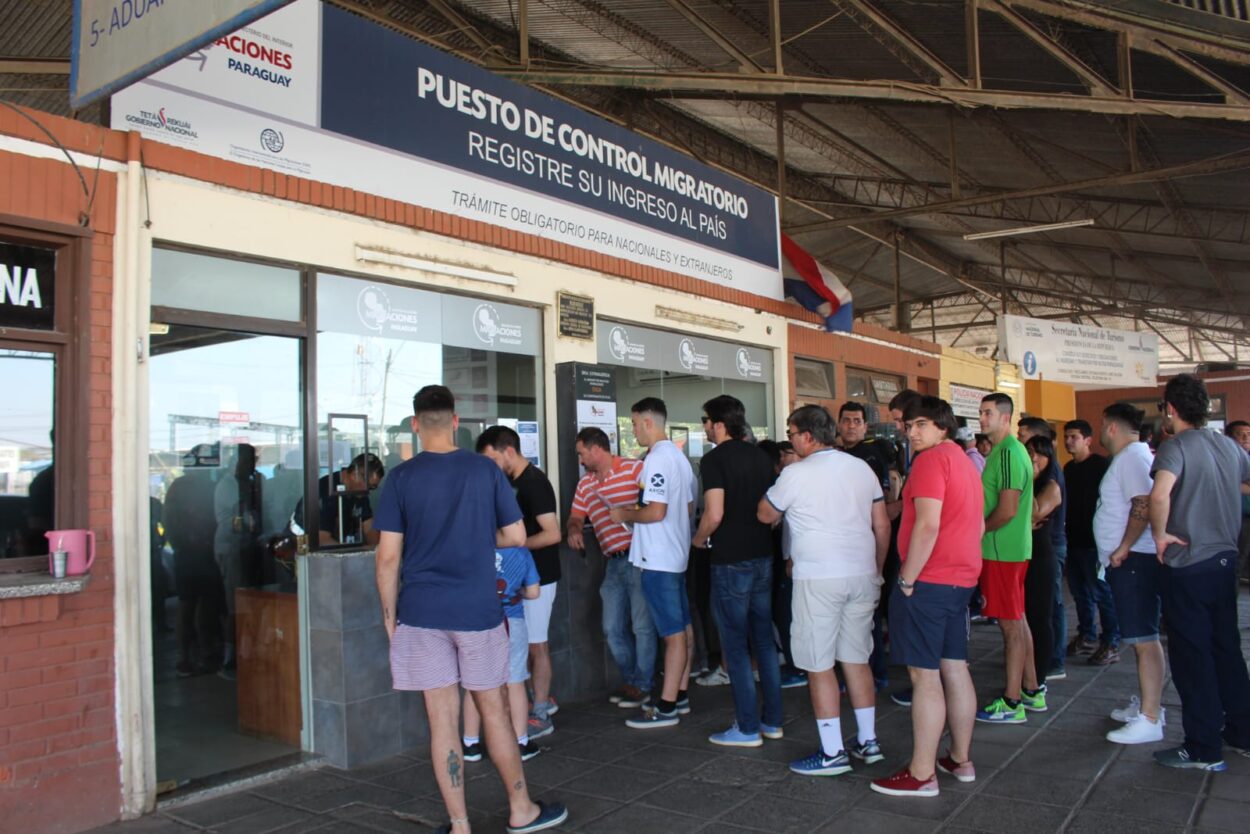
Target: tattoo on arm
<point>453,768</point>
<point>1141,508</point>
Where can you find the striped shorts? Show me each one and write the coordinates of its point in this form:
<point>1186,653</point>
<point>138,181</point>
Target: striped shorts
<point>430,658</point>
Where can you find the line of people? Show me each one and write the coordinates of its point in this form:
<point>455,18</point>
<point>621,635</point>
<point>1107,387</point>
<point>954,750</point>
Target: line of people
<point>913,544</point>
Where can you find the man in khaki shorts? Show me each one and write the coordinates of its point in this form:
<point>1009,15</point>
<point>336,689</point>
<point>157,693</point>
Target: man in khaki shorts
<point>839,532</point>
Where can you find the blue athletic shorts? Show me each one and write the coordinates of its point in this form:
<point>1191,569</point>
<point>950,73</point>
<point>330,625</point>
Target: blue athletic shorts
<point>929,626</point>
<point>1135,589</point>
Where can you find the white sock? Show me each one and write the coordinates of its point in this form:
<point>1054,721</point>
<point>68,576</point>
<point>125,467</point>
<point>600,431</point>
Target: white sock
<point>866,722</point>
<point>469,741</point>
<point>830,735</point>
<point>523,740</point>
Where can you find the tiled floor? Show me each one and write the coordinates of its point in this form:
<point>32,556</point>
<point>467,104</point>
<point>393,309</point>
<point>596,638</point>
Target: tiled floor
<point>1056,773</point>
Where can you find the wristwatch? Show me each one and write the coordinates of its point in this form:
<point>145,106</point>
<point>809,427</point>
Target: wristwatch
<point>904,584</point>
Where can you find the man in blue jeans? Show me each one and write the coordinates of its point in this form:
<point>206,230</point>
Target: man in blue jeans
<point>1195,516</point>
<point>736,474</point>
<point>611,481</point>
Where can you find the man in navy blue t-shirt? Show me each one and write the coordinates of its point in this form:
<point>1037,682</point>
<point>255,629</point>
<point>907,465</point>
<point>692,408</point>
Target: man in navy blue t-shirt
<point>441,516</point>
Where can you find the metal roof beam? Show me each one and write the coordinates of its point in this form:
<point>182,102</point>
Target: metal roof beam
<point>729,86</point>
<point>1094,82</point>
<point>1225,162</point>
<point>1232,94</point>
<point>901,42</point>
<point>745,61</point>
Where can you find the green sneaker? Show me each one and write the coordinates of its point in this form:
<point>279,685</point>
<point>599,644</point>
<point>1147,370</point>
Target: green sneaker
<point>999,713</point>
<point>1034,703</point>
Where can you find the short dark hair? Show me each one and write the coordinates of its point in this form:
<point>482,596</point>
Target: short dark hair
<point>1000,401</point>
<point>934,409</point>
<point>650,405</point>
<point>903,399</point>
<point>771,448</point>
<point>593,436</point>
<point>851,405</point>
<point>498,438</point>
<point>784,446</point>
<point>1125,414</point>
<point>730,411</point>
<point>367,462</point>
<point>1042,445</point>
<point>1037,425</point>
<point>1082,426</point>
<point>433,405</point>
<point>1233,426</point>
<point>1188,395</point>
<point>815,420</point>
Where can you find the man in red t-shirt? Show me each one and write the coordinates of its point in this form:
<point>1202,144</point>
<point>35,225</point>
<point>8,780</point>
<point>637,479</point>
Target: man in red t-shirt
<point>939,544</point>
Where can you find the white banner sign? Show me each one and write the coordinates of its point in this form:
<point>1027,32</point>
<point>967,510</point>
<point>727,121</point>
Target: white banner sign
<point>1060,351</point>
<point>966,401</point>
<point>117,42</point>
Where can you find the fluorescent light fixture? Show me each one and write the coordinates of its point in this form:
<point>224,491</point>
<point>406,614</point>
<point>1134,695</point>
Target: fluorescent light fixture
<point>1002,383</point>
<point>455,270</point>
<point>700,319</point>
<point>1028,230</point>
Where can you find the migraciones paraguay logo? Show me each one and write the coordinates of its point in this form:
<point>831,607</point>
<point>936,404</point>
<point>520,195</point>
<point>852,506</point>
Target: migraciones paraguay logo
<point>373,307</point>
<point>689,358</point>
<point>492,329</point>
<point>624,350</point>
<point>747,367</point>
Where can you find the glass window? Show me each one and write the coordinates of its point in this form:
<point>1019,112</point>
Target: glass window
<point>377,345</point>
<point>813,378</point>
<point>27,489</point>
<point>218,285</point>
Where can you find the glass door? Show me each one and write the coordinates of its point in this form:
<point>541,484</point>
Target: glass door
<point>226,472</point>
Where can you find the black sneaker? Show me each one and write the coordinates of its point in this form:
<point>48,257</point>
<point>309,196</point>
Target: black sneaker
<point>473,752</point>
<point>1105,656</point>
<point>528,751</point>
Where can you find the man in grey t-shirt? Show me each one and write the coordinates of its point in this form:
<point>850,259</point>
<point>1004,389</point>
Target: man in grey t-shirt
<point>1195,516</point>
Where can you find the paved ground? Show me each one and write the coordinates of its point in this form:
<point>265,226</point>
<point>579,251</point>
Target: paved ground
<point>1056,773</point>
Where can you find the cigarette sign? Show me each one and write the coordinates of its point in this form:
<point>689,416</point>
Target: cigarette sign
<point>118,42</point>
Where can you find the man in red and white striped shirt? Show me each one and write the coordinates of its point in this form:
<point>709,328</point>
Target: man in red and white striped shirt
<point>612,481</point>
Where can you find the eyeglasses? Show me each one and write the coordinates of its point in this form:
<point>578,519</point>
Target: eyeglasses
<point>790,433</point>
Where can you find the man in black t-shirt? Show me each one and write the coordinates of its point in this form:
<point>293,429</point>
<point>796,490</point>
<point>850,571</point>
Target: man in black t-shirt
<point>1090,591</point>
<point>358,479</point>
<point>542,536</point>
<point>736,474</point>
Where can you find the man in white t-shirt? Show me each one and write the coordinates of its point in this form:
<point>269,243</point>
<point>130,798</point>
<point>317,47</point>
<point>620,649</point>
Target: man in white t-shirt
<point>839,532</point>
<point>1126,549</point>
<point>661,548</point>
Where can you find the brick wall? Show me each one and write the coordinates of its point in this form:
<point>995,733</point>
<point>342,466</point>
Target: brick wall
<point>59,767</point>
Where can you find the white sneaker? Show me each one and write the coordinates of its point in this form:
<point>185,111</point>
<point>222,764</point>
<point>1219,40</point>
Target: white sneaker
<point>1140,730</point>
<point>1129,713</point>
<point>716,677</point>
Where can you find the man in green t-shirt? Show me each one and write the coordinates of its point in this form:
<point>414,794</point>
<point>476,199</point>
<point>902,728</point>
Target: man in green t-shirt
<point>1006,548</point>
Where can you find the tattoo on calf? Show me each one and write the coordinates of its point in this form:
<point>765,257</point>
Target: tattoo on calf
<point>453,768</point>
<point>520,785</point>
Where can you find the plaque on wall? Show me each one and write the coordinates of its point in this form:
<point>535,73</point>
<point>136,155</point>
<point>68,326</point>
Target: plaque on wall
<point>576,315</point>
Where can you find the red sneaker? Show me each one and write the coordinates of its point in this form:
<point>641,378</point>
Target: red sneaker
<point>904,784</point>
<point>963,771</point>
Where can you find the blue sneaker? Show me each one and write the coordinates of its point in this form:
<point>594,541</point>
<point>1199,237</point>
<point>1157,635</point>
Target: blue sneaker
<point>791,680</point>
<point>550,814</point>
<point>869,752</point>
<point>774,733</point>
<point>818,764</point>
<point>733,737</point>
<point>650,718</point>
<point>1179,757</point>
<point>683,706</point>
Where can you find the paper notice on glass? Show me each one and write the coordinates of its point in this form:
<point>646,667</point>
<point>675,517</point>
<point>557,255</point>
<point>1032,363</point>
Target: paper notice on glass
<point>599,415</point>
<point>528,431</point>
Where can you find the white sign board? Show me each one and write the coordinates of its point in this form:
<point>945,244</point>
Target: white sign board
<point>1060,351</point>
<point>117,42</point>
<point>966,401</point>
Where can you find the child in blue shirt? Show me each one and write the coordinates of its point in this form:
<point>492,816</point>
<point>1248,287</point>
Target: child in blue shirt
<point>516,579</point>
